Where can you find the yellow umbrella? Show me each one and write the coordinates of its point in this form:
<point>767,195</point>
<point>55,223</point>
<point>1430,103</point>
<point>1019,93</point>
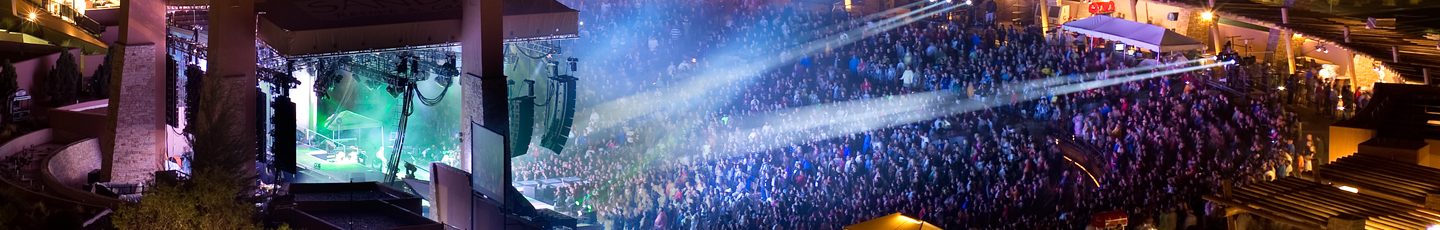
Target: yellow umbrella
<point>892,222</point>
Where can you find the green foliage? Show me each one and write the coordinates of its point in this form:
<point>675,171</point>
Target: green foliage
<point>100,81</point>
<point>17,213</point>
<point>216,198</point>
<point>64,82</point>
<point>214,133</point>
<point>210,200</point>
<point>8,86</point>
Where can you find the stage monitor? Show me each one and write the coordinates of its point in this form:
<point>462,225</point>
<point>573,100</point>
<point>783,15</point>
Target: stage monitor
<point>488,156</point>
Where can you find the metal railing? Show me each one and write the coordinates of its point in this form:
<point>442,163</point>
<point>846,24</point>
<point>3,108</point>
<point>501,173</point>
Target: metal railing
<point>68,14</point>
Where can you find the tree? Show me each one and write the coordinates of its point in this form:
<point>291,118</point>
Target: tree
<point>100,81</point>
<point>64,81</point>
<point>217,197</point>
<point>210,200</point>
<point>8,86</point>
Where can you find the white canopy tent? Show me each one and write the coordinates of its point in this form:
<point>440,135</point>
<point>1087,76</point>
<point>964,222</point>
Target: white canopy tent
<point>1147,36</point>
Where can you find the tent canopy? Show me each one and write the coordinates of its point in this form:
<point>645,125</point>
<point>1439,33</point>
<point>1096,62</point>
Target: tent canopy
<point>892,221</point>
<point>1133,33</point>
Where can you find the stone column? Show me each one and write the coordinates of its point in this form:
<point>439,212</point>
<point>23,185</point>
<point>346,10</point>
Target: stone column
<point>134,146</point>
<point>231,63</point>
<point>484,90</point>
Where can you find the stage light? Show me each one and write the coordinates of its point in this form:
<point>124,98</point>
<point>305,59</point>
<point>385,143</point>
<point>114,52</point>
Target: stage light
<point>1207,15</point>
<point>1281,88</point>
<point>32,16</point>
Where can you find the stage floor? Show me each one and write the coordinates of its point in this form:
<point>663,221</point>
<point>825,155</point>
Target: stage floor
<point>315,167</point>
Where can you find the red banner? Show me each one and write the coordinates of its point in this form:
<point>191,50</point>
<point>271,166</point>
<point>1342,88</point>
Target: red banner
<point>1105,7</point>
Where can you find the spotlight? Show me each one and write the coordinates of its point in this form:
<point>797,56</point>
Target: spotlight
<point>967,2</point>
<point>32,16</point>
<point>1207,15</point>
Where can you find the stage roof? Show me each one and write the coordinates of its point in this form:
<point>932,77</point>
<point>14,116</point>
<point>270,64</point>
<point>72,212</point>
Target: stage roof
<point>296,28</point>
<point>1133,33</point>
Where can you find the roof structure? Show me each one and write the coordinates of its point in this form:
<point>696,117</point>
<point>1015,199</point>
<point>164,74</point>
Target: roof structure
<point>299,28</point>
<point>1416,52</point>
<point>1385,177</point>
<point>1387,194</point>
<point>1311,205</point>
<point>1134,33</point>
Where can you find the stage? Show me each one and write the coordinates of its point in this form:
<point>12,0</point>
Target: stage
<point>320,166</point>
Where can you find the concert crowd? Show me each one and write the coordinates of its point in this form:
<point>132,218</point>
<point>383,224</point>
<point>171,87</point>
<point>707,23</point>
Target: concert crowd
<point>1149,148</point>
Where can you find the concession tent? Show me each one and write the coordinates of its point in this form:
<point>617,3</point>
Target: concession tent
<point>1147,36</point>
<point>892,221</point>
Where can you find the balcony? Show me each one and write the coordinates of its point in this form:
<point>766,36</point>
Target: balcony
<point>41,25</point>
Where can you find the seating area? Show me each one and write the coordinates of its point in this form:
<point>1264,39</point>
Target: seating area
<point>24,167</point>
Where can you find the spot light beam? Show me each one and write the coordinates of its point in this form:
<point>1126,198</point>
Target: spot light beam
<point>699,93</point>
<point>820,122</point>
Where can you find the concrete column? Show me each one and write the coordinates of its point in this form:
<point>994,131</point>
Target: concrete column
<point>134,144</point>
<point>231,63</point>
<point>485,98</point>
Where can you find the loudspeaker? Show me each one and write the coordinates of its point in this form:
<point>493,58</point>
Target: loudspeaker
<point>522,124</point>
<point>1173,16</point>
<point>172,93</point>
<point>284,134</point>
<point>563,118</point>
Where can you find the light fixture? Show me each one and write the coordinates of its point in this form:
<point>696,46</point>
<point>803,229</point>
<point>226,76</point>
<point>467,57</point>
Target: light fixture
<point>1433,227</point>
<point>32,16</point>
<point>1349,189</point>
<point>1281,88</point>
<point>1207,15</point>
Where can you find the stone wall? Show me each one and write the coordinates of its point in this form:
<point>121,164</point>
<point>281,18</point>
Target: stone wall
<point>71,165</point>
<point>138,152</point>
